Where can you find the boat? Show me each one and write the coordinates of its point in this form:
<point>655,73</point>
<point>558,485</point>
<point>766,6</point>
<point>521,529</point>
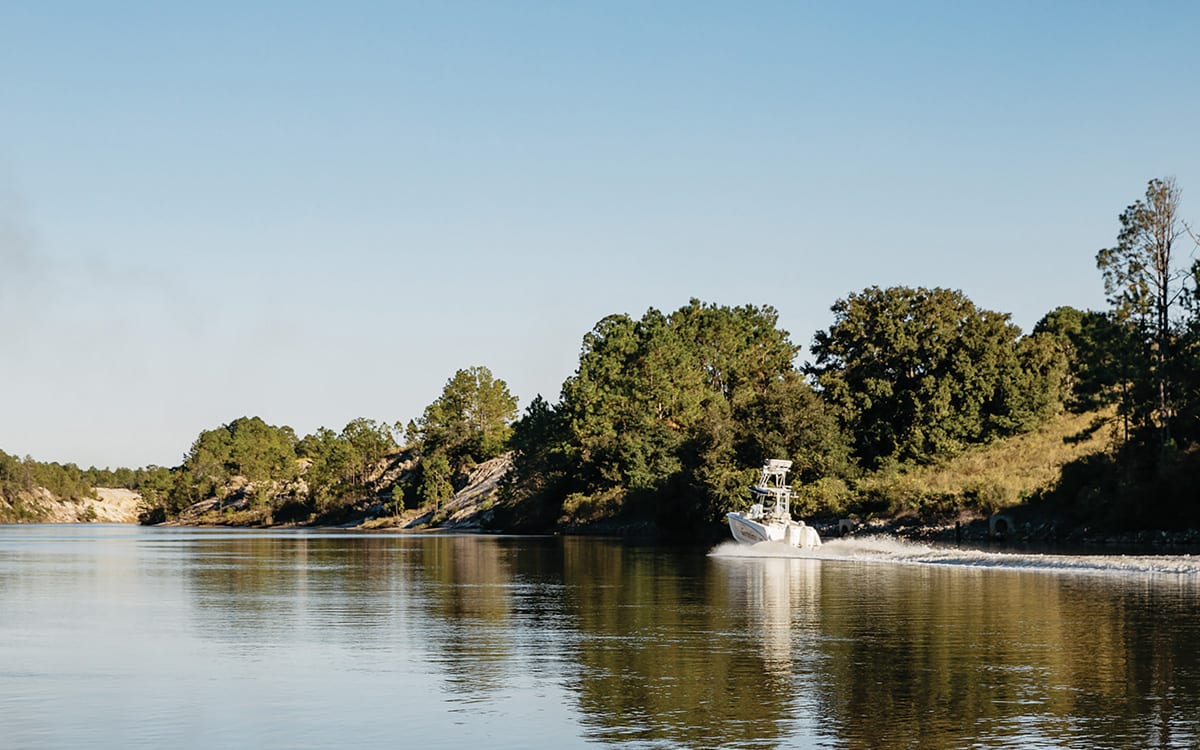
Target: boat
<point>770,517</point>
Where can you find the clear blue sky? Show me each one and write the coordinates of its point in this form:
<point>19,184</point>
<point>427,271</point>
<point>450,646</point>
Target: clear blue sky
<point>313,212</point>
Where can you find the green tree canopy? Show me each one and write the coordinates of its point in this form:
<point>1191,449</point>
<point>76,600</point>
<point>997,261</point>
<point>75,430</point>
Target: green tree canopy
<point>542,464</point>
<point>246,447</point>
<point>1100,354</point>
<point>666,414</point>
<point>436,487</point>
<point>341,465</point>
<point>472,418</point>
<point>370,443</point>
<point>921,373</point>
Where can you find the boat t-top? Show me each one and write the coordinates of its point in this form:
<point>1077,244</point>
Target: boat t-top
<point>770,517</point>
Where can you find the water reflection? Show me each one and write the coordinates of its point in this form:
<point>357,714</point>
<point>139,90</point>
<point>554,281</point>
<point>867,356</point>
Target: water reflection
<point>661,657</point>
<point>253,589</point>
<point>781,599</point>
<point>946,657</point>
<point>236,638</point>
<point>660,647</point>
<point>468,606</point>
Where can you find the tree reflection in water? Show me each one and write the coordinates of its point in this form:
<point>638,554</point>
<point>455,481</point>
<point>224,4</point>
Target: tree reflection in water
<point>663,647</point>
<point>663,658</point>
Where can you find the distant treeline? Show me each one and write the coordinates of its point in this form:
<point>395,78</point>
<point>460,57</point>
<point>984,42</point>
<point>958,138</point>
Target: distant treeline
<point>667,415</point>
<point>21,476</point>
<point>18,476</point>
<point>263,474</point>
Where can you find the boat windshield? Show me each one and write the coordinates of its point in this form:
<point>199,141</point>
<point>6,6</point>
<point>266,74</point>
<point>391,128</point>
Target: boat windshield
<point>773,501</point>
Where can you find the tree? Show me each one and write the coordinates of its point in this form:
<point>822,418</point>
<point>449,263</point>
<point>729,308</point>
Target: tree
<point>370,442</point>
<point>921,373</point>
<point>342,465</point>
<point>1145,286</point>
<point>155,485</point>
<point>541,473</point>
<point>792,420</point>
<point>633,400</point>
<point>472,418</point>
<point>247,447</point>
<point>259,451</point>
<point>329,463</point>
<point>1103,359</point>
<point>436,488</point>
<point>666,416</point>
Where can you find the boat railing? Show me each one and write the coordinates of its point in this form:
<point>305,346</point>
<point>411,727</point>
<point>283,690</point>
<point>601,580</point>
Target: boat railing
<point>774,473</point>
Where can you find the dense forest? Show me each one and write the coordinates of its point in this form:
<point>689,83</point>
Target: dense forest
<point>667,416</point>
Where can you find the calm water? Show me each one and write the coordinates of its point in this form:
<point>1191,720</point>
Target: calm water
<point>120,637</point>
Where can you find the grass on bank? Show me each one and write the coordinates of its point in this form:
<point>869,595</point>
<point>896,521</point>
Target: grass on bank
<point>987,478</point>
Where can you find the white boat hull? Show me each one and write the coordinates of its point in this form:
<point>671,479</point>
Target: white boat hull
<point>747,531</point>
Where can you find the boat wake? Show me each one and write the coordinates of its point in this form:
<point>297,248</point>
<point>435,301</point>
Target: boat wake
<point>882,549</point>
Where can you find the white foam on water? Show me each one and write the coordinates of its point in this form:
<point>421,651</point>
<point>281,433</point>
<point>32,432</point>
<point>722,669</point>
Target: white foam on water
<point>885,549</point>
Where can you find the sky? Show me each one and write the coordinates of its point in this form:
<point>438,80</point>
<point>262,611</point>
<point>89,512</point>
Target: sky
<point>312,212</point>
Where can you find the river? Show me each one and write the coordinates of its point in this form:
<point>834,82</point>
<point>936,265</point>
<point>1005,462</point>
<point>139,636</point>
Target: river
<point>128,637</point>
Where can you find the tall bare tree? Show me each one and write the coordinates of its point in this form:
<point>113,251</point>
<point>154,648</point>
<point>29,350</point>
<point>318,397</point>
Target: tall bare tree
<point>1144,285</point>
